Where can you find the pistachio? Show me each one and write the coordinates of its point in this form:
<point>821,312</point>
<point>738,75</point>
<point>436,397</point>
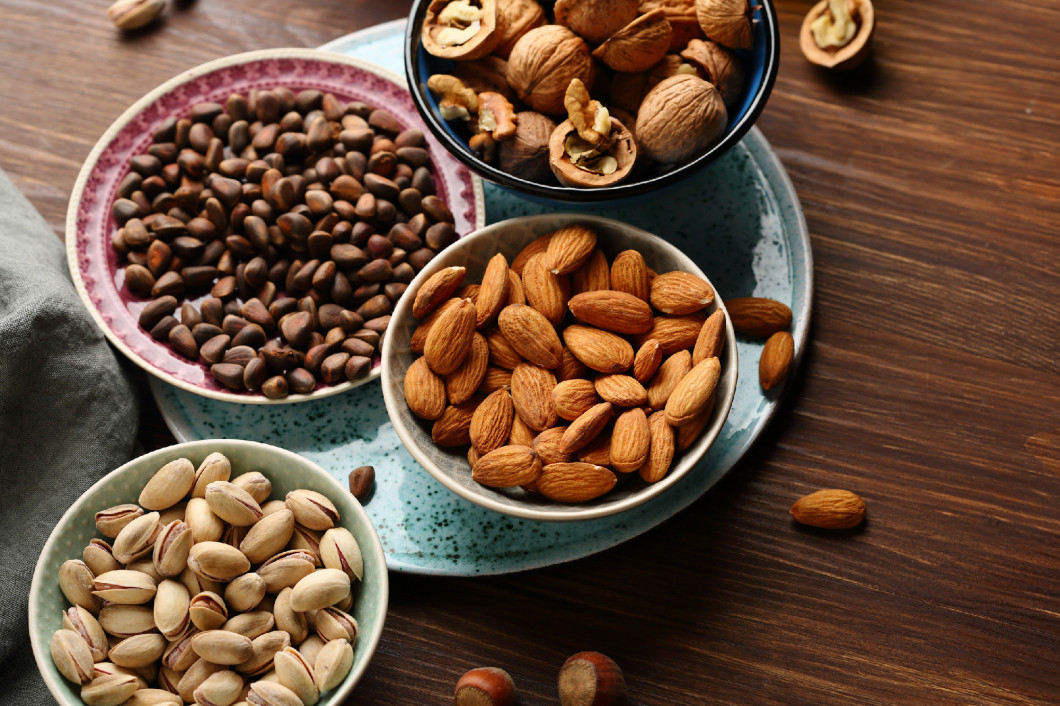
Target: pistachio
<point>169,678</point>
<point>339,550</point>
<point>286,569</point>
<point>217,561</point>
<point>133,14</point>
<point>197,584</point>
<point>137,538</point>
<point>108,690</point>
<point>310,648</point>
<point>213,467</point>
<point>171,608</point>
<point>269,536</point>
<point>113,520</point>
<point>251,625</point>
<point>179,655</point>
<point>103,669</point>
<point>312,510</point>
<point>75,581</point>
<point>233,535</point>
<point>79,620</point>
<point>195,675</point>
<point>273,506</point>
<point>222,647</point>
<point>172,513</point>
<point>168,485</point>
<point>267,693</point>
<point>208,611</point>
<point>99,557</point>
<point>124,586</point>
<point>138,651</point>
<point>288,619</point>
<point>295,672</point>
<point>171,549</point>
<point>320,589</point>
<point>219,689</point>
<point>245,592</point>
<point>265,648</point>
<point>146,566</point>
<point>232,504</point>
<point>258,486</point>
<point>333,624</point>
<point>153,697</point>
<point>346,603</point>
<point>72,656</point>
<point>204,524</point>
<point>333,663</point>
<point>307,539</point>
<point>126,620</point>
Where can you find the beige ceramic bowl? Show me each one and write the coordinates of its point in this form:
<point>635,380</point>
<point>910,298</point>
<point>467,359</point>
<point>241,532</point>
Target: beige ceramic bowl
<point>450,466</point>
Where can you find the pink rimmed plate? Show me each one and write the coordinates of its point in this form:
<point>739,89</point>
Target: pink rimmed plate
<point>94,265</point>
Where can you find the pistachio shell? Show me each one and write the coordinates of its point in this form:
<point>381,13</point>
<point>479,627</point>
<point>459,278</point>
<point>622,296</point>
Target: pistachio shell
<point>217,561</point>
<point>171,608</point>
<point>222,647</point>
<point>197,584</point>
<point>312,510</point>
<point>171,548</point>
<point>257,485</point>
<point>219,689</point>
<point>113,520</point>
<point>75,581</point>
<point>333,624</point>
<point>320,589</point>
<point>138,650</point>
<point>251,625</point>
<point>196,674</point>
<point>208,611</point>
<point>214,467</point>
<point>153,697</point>
<point>310,648</point>
<point>333,663</point>
<point>245,592</point>
<point>269,536</point>
<point>146,566</point>
<point>99,557</point>
<point>288,619</point>
<point>286,569</point>
<point>179,655</point>
<point>137,538</point>
<point>232,504</point>
<point>204,524</point>
<point>72,656</point>
<point>295,672</point>
<point>339,550</point>
<point>125,587</point>
<point>102,669</point>
<point>169,678</point>
<point>306,539</point>
<point>79,620</point>
<point>273,506</point>
<point>265,648</point>
<point>267,693</point>
<point>168,485</point>
<point>108,690</point>
<point>126,620</point>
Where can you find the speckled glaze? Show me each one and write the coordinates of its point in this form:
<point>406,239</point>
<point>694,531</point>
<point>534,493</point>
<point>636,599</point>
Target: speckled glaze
<point>94,265</point>
<point>287,471</point>
<point>740,220</point>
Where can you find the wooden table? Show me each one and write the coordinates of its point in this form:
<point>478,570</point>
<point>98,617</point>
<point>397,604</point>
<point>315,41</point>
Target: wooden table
<point>931,385</point>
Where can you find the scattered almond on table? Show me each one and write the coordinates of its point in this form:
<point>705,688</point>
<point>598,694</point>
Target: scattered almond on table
<point>829,509</point>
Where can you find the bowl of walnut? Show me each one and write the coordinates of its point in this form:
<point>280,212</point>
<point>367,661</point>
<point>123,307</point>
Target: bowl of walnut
<point>559,367</point>
<point>583,101</point>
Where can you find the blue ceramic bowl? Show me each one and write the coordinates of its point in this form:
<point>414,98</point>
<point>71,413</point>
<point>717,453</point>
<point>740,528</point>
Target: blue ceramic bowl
<point>760,66</point>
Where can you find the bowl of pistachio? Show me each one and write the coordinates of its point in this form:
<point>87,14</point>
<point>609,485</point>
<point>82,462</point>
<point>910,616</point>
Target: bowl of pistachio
<point>582,102</point>
<point>212,571</point>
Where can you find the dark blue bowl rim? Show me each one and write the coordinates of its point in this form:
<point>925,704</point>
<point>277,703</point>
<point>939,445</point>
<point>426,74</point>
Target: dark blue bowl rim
<point>575,194</point>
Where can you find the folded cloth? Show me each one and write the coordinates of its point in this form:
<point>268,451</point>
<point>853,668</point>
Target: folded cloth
<point>68,415</point>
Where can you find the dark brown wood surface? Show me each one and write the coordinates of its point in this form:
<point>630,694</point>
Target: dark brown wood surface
<point>931,386</point>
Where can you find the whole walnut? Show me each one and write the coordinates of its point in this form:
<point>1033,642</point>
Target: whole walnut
<point>718,65</point>
<point>543,63</point>
<point>526,155</point>
<point>679,118</point>
<point>595,20</point>
<point>727,22</point>
<point>518,17</point>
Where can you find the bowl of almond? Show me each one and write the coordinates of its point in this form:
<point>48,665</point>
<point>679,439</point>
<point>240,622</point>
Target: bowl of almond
<point>559,367</point>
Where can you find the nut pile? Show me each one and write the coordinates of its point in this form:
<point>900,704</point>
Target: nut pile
<point>211,593</point>
<point>284,227</point>
<point>558,404</point>
<point>637,86</point>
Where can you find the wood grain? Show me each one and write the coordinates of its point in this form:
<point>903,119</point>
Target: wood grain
<point>931,386</point>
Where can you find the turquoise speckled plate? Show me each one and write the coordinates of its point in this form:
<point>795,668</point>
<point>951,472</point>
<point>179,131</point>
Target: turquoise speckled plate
<point>739,219</point>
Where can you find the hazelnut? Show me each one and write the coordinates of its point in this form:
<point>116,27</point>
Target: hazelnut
<point>836,33</point>
<point>719,66</point>
<point>591,679</point>
<point>461,29</point>
<point>679,118</point>
<point>639,45</point>
<point>543,63</point>
<point>595,20</point>
<point>727,22</point>
<point>681,14</point>
<point>485,686</point>
<point>517,18</point>
<point>526,155</point>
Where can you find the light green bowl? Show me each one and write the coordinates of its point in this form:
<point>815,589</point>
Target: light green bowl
<point>286,470</point>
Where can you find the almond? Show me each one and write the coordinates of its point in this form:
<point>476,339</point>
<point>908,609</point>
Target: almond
<point>602,351</point>
<point>532,394</point>
<point>465,380</point>
<point>419,335</point>
<point>507,467</point>
<point>502,354</point>
<point>473,456</point>
<point>618,312</point>
<point>424,390</point>
<point>453,428</point>
<point>711,339</point>
<point>598,452</point>
<point>647,360</point>
<point>494,379</point>
<point>586,428</point>
<point>670,373</point>
<point>522,435</point>
<point>574,482</point>
<point>539,245</point>
<point>776,359</point>
<point>469,292</point>
<point>547,446</point>
<point>621,390</point>
<point>660,449</point>
<point>680,293</point>
<point>531,335</point>
<point>594,275</point>
<point>491,424</point>
<point>570,367</point>
<point>450,338</point>
<point>829,509</point>
<point>493,295</point>
<point>439,287</point>
<point>573,398</point>
<point>630,441</point>
<point>758,316</point>
<point>692,394</point>
<point>674,333</point>
<point>629,274</point>
<point>688,433</point>
<point>569,248</point>
<point>545,291</point>
<point>515,289</point>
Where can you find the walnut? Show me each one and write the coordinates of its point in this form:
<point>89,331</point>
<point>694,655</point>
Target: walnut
<point>836,34</point>
<point>461,29</point>
<point>628,90</point>
<point>543,63</point>
<point>639,45</point>
<point>526,155</point>
<point>590,148</point>
<point>681,14</point>
<point>520,16</point>
<point>727,22</point>
<point>455,100</point>
<point>679,118</point>
<point>496,116</point>
<point>595,20</point>
<point>719,66</point>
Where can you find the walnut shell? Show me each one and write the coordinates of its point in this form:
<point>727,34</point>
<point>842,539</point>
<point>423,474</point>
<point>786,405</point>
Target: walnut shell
<point>526,155</point>
<point>519,17</point>
<point>623,149</point>
<point>679,118</point>
<point>484,41</point>
<point>846,57</point>
<point>681,14</point>
<point>543,63</point>
<point>638,45</point>
<point>727,22</point>
<point>719,66</point>
<point>595,20</point>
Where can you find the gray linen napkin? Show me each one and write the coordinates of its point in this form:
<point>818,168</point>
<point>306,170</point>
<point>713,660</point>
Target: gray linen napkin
<point>68,415</point>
